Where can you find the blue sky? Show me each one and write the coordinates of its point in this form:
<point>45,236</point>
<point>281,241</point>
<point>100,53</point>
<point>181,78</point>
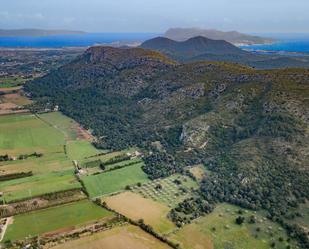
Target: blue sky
<point>156,15</point>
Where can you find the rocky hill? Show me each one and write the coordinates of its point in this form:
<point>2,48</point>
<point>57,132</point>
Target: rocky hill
<point>249,128</point>
<point>182,34</point>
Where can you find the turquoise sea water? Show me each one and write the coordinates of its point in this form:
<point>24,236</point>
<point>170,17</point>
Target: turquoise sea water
<point>82,40</point>
<point>287,46</point>
<point>298,43</point>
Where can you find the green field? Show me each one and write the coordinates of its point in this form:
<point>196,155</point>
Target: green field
<point>27,187</point>
<point>52,219</point>
<point>8,82</point>
<point>219,230</point>
<point>51,162</point>
<point>26,133</point>
<point>105,156</point>
<point>61,122</point>
<point>78,150</point>
<point>114,181</point>
<point>170,193</point>
<point>50,134</point>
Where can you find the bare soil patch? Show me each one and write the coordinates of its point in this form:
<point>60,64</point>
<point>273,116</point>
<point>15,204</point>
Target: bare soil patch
<point>198,172</point>
<point>125,237</point>
<point>137,207</point>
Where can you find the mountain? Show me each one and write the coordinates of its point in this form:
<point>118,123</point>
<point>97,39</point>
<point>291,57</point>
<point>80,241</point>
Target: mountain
<point>201,48</point>
<point>193,47</point>
<point>234,37</point>
<point>250,128</point>
<point>36,32</point>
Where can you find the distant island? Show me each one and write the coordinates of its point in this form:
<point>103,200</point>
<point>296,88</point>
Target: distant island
<point>37,32</point>
<point>234,37</point>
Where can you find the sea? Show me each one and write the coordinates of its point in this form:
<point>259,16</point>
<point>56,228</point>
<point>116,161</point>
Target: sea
<point>75,40</point>
<point>291,44</point>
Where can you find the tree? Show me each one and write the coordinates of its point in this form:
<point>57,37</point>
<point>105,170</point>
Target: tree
<point>239,220</point>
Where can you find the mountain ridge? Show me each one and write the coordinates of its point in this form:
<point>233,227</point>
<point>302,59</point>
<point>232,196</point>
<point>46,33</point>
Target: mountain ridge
<point>181,34</point>
<point>200,48</point>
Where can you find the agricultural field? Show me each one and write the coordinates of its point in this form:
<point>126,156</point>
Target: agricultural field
<point>54,161</point>
<point>47,134</point>
<point>65,217</point>
<point>70,128</point>
<point>124,237</point>
<point>137,207</point>
<point>104,156</point>
<point>26,133</point>
<point>15,98</point>
<point>219,230</point>
<point>8,82</point>
<point>36,185</point>
<point>114,181</point>
<point>170,190</point>
<point>78,150</point>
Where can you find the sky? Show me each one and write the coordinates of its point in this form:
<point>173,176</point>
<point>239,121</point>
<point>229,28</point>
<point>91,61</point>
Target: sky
<point>250,16</point>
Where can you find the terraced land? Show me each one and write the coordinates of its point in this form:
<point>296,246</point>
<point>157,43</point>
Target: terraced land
<point>219,230</point>
<point>124,237</point>
<point>65,217</point>
<point>170,191</point>
<point>114,181</point>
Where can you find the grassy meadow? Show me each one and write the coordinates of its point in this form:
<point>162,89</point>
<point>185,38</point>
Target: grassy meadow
<point>219,230</point>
